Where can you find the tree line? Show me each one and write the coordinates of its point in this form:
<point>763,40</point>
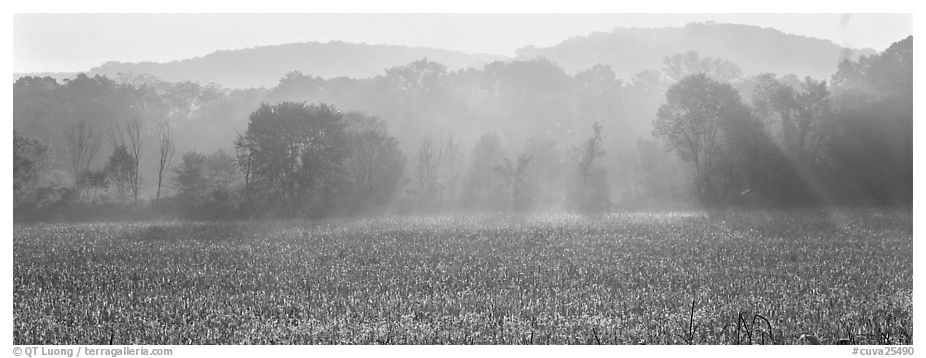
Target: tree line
<point>516,136</point>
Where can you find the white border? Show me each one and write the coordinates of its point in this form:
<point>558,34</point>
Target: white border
<point>471,6</point>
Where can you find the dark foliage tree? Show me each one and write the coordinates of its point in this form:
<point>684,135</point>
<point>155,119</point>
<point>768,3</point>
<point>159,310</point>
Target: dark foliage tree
<point>191,180</point>
<point>29,160</point>
<point>792,113</point>
<point>206,184</point>
<point>869,136</point>
<point>119,169</point>
<point>374,163</point>
<point>298,151</point>
<point>95,183</point>
<point>697,114</point>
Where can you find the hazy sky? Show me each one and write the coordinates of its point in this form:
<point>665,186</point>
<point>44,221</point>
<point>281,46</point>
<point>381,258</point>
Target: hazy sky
<point>77,42</point>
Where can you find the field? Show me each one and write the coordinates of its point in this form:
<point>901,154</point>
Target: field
<point>754,277</point>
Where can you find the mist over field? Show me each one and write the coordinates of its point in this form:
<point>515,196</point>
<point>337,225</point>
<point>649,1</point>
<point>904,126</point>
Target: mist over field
<point>710,183</point>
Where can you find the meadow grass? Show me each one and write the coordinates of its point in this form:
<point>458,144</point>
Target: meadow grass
<point>737,277</point>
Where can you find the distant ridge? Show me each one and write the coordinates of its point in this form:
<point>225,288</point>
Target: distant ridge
<point>263,66</point>
<point>754,49</point>
<point>627,50</point>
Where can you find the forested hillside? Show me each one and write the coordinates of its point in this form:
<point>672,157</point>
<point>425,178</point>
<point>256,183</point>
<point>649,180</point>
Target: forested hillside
<point>627,50</point>
<point>755,49</point>
<point>516,135</point>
